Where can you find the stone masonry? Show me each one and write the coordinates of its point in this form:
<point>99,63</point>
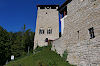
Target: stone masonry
<point>82,51</point>
<point>47,18</point>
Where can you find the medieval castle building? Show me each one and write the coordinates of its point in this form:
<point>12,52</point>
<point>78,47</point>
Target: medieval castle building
<point>47,25</point>
<point>81,32</point>
<point>80,21</point>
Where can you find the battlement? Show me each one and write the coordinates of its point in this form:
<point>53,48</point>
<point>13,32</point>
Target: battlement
<point>48,6</point>
<point>47,25</point>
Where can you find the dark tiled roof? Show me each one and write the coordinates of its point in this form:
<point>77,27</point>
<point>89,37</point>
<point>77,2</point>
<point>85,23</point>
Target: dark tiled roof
<point>63,5</point>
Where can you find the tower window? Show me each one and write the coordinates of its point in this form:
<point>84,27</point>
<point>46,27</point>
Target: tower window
<point>41,31</point>
<point>42,7</point>
<point>49,31</point>
<point>91,32</point>
<point>53,7</point>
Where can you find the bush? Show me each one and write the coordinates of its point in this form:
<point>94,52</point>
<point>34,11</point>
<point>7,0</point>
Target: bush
<point>65,55</point>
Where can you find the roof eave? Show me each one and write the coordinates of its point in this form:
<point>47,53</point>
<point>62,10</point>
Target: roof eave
<point>65,4</point>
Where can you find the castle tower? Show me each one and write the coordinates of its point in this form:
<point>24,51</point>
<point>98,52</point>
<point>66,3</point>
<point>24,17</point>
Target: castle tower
<point>47,25</point>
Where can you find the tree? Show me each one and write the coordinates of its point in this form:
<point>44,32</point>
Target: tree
<point>15,43</point>
<point>4,46</point>
<point>29,40</point>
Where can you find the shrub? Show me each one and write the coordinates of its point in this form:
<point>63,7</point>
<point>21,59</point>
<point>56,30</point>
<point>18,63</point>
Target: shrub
<point>65,55</point>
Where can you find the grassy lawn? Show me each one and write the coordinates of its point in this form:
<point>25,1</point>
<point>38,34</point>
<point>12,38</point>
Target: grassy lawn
<point>43,57</point>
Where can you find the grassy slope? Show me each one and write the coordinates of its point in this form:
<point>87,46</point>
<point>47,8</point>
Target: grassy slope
<point>45,57</point>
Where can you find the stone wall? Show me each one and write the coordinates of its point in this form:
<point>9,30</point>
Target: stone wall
<point>82,51</point>
<point>46,18</point>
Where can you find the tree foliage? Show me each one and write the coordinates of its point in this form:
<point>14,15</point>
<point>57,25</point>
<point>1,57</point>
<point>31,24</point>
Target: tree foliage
<point>4,45</point>
<point>15,43</point>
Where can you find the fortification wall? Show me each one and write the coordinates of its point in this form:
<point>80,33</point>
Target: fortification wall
<point>82,50</point>
<point>46,18</point>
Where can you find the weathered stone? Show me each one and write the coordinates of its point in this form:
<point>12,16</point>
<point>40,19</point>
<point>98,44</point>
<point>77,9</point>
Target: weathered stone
<point>46,18</point>
<point>82,51</point>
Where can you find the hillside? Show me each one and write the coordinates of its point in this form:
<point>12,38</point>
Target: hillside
<point>42,57</point>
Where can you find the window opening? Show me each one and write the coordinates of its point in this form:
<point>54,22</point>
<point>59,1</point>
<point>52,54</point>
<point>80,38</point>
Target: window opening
<point>42,7</point>
<point>78,34</point>
<point>41,31</point>
<point>91,32</point>
<point>53,7</point>
<point>49,31</point>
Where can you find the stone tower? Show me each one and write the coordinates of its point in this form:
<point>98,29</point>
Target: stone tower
<point>47,25</point>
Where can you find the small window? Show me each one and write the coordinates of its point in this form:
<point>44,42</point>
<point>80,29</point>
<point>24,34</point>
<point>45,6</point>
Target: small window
<point>78,34</point>
<point>41,31</point>
<point>49,31</point>
<point>91,32</point>
<point>42,7</point>
<point>53,7</point>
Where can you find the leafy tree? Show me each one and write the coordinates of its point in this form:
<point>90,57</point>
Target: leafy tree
<point>16,44</point>
<point>4,46</point>
<point>29,37</point>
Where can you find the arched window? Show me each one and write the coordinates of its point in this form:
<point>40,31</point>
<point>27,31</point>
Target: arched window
<point>41,31</point>
<point>49,31</point>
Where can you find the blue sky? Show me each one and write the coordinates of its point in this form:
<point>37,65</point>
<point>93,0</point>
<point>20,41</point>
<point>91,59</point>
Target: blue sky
<point>15,13</point>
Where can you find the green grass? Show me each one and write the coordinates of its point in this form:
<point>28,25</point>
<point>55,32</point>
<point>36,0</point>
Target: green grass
<point>43,57</point>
